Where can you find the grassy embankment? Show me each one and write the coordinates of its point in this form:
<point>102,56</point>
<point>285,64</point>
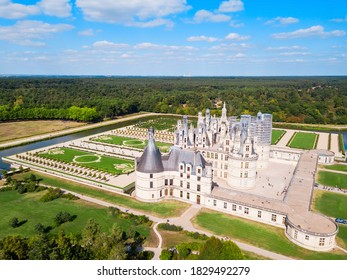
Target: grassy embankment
<point>257,234</point>
<point>165,209</point>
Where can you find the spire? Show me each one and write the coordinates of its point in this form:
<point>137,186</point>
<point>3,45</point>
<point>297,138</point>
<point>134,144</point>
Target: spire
<point>150,161</point>
<point>224,113</point>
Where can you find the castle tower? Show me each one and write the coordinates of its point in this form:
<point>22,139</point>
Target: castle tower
<point>242,162</point>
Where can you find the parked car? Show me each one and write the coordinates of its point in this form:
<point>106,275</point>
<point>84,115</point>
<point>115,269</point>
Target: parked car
<point>340,221</point>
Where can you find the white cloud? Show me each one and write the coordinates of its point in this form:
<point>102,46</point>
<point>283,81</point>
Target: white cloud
<point>207,16</point>
<point>282,20</point>
<point>236,37</point>
<point>58,8</point>
<point>87,32</point>
<point>152,23</point>
<point>151,46</point>
<point>231,47</point>
<point>109,45</point>
<point>293,53</point>
<point>202,38</point>
<point>282,48</point>
<point>143,13</point>
<point>235,24</point>
<point>313,31</point>
<point>340,19</point>
<point>31,32</point>
<point>231,6</point>
<point>11,10</point>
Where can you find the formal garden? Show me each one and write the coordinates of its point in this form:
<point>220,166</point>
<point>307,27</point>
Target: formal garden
<point>332,179</point>
<point>276,136</point>
<point>303,140</point>
<point>130,142</point>
<point>95,161</point>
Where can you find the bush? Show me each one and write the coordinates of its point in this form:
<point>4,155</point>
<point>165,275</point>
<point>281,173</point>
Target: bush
<point>114,211</point>
<point>62,217</point>
<point>196,235</point>
<point>14,222</point>
<point>6,189</point>
<point>166,255</point>
<point>170,227</point>
<point>51,195</point>
<point>70,196</point>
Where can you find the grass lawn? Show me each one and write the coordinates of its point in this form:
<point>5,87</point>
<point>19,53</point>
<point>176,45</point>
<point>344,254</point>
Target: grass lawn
<point>338,167</point>
<point>15,130</point>
<point>260,235</point>
<point>303,140</point>
<point>130,142</point>
<point>99,162</point>
<point>332,179</point>
<point>28,207</point>
<point>161,123</point>
<point>330,204</point>
<point>165,209</point>
<point>276,136</point>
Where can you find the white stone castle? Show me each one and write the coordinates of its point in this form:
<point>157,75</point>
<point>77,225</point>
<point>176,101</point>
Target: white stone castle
<point>223,163</point>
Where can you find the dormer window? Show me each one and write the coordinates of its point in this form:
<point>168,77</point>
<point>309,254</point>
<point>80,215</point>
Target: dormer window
<point>247,148</point>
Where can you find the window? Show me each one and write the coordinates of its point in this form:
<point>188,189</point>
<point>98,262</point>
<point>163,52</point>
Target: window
<point>161,193</point>
<point>227,150</point>
<point>171,192</point>
<point>181,184</point>
<point>321,241</point>
<point>307,237</point>
<point>188,176</point>
<point>247,148</point>
<point>198,188</point>
<point>225,205</point>
<point>247,155</point>
<point>188,168</point>
<point>240,174</point>
<point>188,195</point>
<point>246,174</point>
<point>246,164</point>
<point>181,194</point>
<point>273,217</point>
<point>181,167</point>
<point>233,207</point>
<point>295,234</point>
<point>259,214</point>
<point>181,175</point>
<point>171,182</point>
<point>150,175</point>
<point>246,210</point>
<point>199,178</point>
<point>151,185</point>
<point>227,142</point>
<point>240,207</point>
<point>225,166</point>
<point>214,202</point>
<point>225,175</point>
<point>241,164</point>
<point>216,156</point>
<point>152,195</point>
<point>208,154</point>
<point>188,185</point>
<point>166,182</point>
<point>199,170</point>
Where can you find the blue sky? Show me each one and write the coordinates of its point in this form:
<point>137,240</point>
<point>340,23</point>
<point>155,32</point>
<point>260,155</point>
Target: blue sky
<point>173,37</point>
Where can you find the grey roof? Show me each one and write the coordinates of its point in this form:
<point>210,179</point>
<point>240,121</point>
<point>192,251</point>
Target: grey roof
<point>150,161</point>
<point>177,155</point>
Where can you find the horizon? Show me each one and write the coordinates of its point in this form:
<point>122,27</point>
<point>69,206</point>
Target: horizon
<point>176,38</point>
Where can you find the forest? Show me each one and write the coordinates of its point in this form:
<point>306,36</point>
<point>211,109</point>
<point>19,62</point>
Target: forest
<point>317,100</point>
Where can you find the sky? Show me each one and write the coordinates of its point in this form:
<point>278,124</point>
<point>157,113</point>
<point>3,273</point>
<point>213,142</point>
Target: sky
<point>173,37</point>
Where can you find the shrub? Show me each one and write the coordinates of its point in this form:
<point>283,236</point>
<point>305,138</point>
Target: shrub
<point>70,196</point>
<point>52,194</point>
<point>62,217</point>
<point>6,189</point>
<point>166,255</point>
<point>170,227</point>
<point>14,222</point>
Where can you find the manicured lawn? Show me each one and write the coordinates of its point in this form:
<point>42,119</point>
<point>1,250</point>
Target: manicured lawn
<point>260,235</point>
<point>28,207</point>
<point>276,136</point>
<point>165,209</point>
<point>330,204</point>
<point>20,129</point>
<point>99,162</point>
<point>161,123</point>
<point>303,140</point>
<point>342,236</point>
<point>338,167</point>
<point>332,179</point>
<point>130,142</point>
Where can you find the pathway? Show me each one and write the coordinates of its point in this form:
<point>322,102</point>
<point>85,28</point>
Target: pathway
<point>323,140</point>
<point>335,144</point>
<point>285,138</point>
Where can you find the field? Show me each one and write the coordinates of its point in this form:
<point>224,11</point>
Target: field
<point>28,207</point>
<point>332,179</point>
<point>276,136</point>
<point>338,167</point>
<point>130,142</point>
<point>260,235</point>
<point>16,130</point>
<point>330,204</point>
<point>108,164</point>
<point>166,209</point>
<point>303,140</point>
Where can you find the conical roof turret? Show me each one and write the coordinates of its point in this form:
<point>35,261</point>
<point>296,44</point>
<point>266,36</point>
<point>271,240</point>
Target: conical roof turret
<point>150,161</point>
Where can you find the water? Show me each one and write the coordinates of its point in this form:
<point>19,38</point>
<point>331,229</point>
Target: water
<point>344,136</point>
<point>49,142</point>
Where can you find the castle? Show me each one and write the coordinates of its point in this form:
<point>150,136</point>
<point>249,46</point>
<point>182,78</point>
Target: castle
<point>227,164</point>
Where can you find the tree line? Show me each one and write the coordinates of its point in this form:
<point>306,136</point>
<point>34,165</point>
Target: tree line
<point>290,99</point>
